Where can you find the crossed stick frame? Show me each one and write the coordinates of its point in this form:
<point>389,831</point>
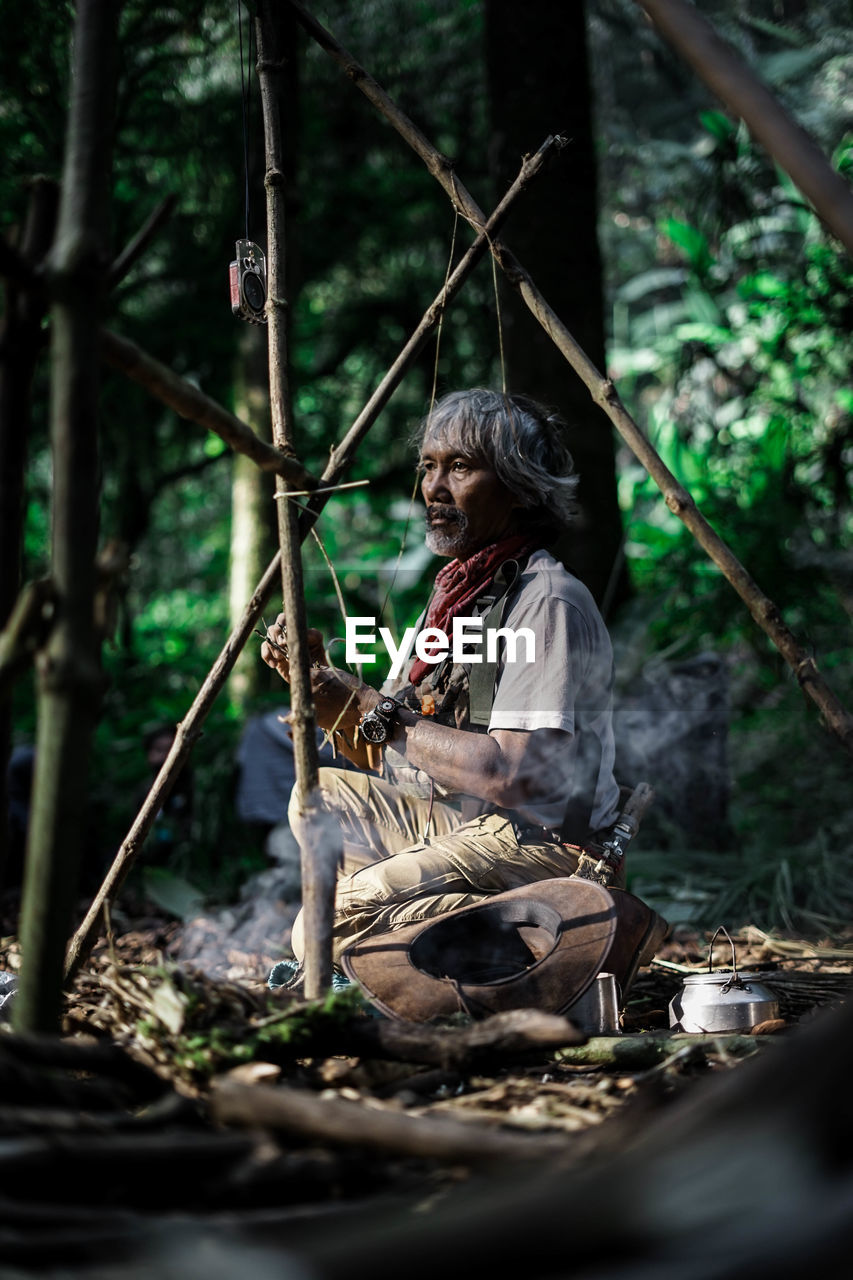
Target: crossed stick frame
<point>603,392</point>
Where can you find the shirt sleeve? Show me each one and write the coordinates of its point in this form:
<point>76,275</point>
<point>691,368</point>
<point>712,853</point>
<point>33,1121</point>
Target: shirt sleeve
<point>539,691</point>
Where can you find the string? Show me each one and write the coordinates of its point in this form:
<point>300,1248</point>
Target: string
<point>443,305</point>
<point>245,94</point>
<point>478,227</point>
<point>497,312</point>
<point>432,396</point>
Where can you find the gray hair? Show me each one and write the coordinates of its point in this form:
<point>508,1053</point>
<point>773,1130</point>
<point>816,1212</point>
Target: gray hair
<point>521,440</point>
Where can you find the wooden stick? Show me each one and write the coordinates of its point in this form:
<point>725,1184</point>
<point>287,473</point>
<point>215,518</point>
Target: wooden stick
<point>319,842</point>
<point>736,85</point>
<point>135,248</point>
<point>343,1123</point>
<point>26,631</point>
<point>516,1033</point>
<point>637,1053</point>
<point>604,393</point>
<point>190,402</point>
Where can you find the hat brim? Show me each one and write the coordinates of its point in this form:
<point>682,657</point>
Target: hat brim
<point>474,958</point>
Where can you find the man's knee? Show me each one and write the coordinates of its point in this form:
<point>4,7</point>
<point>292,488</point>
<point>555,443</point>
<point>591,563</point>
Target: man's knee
<point>361,892</point>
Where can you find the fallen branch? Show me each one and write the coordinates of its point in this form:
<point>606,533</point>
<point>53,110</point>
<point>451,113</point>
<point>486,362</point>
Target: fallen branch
<point>603,392</point>
<point>344,1123</point>
<point>514,1034</point>
<point>189,402</point>
<point>637,1053</point>
<point>103,1058</point>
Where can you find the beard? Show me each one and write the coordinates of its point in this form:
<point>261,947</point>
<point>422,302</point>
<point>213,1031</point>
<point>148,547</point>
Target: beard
<point>450,538</point>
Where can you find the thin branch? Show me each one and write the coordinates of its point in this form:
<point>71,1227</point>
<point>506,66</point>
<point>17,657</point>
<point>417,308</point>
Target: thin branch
<point>135,248</point>
<point>189,402</point>
<point>26,631</point>
<point>603,392</point>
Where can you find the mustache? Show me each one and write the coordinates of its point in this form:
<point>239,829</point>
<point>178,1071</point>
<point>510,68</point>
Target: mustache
<point>443,511</point>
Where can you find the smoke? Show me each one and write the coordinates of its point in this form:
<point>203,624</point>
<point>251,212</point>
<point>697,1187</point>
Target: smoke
<point>242,942</point>
<point>671,728</point>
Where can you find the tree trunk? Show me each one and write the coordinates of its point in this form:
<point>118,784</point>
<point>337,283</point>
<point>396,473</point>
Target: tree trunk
<point>538,84</point>
<point>253,517</point>
<point>69,668</point>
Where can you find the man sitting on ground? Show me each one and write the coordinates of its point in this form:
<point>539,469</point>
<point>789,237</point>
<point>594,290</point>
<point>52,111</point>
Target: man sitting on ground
<point>484,787</point>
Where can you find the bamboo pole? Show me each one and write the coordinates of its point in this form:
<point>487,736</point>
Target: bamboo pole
<point>69,677</point>
<point>190,402</point>
<point>739,88</point>
<point>189,729</point>
<point>604,393</point>
<point>320,847</point>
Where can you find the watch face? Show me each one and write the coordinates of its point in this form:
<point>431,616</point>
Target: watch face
<point>373,728</point>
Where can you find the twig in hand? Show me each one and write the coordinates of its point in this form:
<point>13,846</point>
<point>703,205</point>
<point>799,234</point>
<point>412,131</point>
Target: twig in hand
<point>265,635</point>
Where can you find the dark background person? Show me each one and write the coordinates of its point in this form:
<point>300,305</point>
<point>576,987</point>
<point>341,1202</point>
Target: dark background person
<point>266,772</point>
<point>172,827</point>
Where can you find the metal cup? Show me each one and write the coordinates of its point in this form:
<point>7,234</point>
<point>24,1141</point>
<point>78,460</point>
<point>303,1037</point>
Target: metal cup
<point>596,1012</point>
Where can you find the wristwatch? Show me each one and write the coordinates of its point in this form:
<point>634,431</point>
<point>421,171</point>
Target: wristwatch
<point>378,725</point>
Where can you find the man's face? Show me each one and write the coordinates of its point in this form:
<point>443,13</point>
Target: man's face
<point>467,505</point>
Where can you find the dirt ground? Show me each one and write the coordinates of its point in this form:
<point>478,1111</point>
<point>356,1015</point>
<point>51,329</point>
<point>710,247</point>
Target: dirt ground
<point>92,1132</point>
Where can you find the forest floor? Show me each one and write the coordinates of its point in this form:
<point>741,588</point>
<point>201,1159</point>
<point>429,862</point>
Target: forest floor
<point>178,1096</point>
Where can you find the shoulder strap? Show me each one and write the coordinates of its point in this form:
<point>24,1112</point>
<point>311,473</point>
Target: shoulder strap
<point>481,681</point>
<point>481,691</point>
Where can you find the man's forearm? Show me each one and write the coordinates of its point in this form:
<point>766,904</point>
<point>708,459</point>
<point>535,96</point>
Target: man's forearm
<point>462,761</point>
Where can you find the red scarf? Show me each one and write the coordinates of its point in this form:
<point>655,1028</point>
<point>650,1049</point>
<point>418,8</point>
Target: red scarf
<point>460,582</point>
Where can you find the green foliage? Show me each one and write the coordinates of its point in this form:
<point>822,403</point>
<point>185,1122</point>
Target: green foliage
<point>731,343</point>
<point>200,1030</point>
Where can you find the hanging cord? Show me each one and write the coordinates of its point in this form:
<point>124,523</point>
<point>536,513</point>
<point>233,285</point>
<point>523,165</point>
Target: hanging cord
<point>432,397</point>
<point>479,227</point>
<point>500,322</point>
<point>245,97</point>
<point>443,305</point>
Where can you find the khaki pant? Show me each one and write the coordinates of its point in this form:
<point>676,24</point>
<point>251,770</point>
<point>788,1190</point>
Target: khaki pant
<point>391,877</point>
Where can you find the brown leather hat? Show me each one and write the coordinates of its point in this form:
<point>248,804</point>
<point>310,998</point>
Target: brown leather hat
<point>539,947</point>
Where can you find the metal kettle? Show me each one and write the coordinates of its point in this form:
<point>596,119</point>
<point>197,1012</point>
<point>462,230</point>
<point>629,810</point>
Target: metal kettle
<point>725,1000</point>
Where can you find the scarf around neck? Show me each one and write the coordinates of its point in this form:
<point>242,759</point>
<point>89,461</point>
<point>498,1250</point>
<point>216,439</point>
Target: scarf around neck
<point>460,582</point>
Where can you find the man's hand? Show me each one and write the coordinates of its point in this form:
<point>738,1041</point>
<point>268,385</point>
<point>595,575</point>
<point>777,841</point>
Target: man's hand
<point>340,699</point>
<point>274,648</point>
